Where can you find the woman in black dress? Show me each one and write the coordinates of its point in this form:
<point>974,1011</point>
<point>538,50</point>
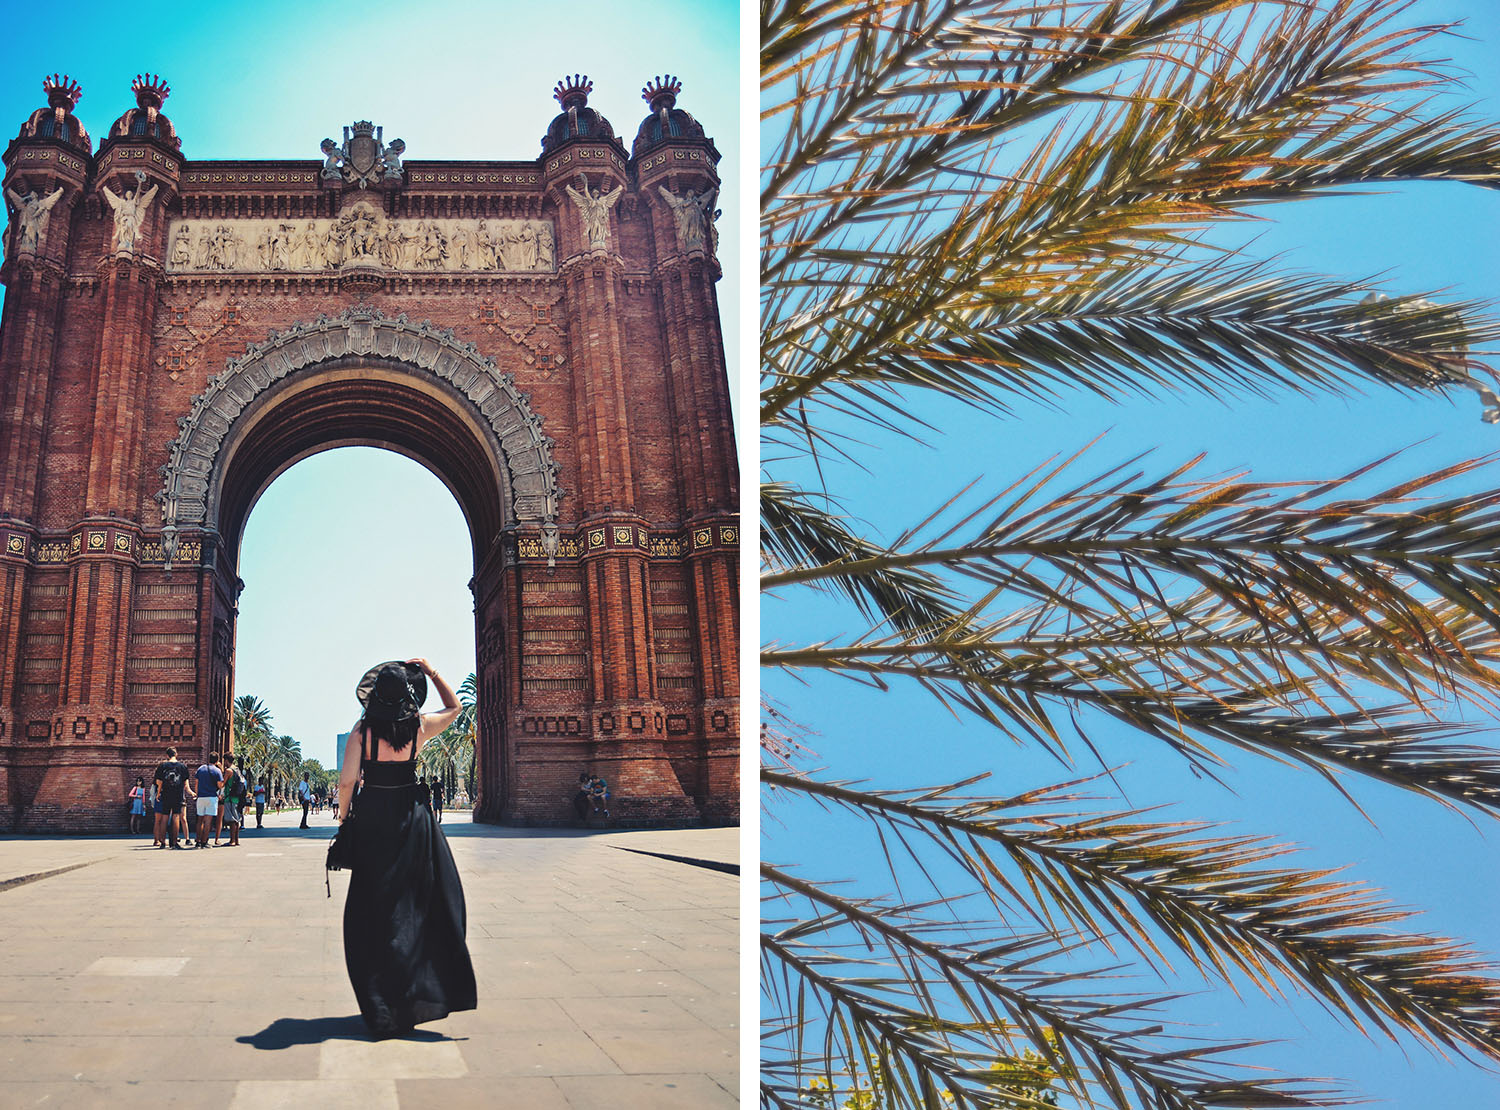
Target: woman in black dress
<point>404,917</point>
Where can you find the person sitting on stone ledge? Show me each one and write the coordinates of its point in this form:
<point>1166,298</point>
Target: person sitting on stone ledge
<point>598,791</point>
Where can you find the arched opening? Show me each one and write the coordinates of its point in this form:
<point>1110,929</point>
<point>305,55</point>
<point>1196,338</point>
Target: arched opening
<point>335,583</point>
<point>371,403</point>
<point>366,404</point>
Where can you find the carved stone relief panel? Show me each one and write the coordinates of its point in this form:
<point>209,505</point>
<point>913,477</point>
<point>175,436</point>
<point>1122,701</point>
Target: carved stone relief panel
<point>361,236</point>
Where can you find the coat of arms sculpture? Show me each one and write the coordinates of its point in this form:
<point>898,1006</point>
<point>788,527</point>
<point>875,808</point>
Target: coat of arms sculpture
<point>364,159</point>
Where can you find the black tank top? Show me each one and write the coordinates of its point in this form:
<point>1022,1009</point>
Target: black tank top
<point>387,772</point>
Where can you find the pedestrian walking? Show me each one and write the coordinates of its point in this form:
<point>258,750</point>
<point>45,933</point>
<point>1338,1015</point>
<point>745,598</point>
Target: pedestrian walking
<point>260,805</point>
<point>304,792</point>
<point>404,918</point>
<point>183,823</point>
<point>437,798</point>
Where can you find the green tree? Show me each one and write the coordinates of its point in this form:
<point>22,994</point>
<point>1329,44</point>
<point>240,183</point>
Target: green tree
<point>251,717</point>
<point>450,754</point>
<point>999,202</point>
<point>252,738</point>
<point>279,763</point>
<point>319,776</point>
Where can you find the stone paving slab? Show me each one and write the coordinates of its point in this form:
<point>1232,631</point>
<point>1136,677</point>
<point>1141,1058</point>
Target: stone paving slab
<point>215,979</point>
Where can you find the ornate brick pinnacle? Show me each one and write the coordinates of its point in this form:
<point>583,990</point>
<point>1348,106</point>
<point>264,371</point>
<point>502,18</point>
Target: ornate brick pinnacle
<point>150,90</point>
<point>661,93</point>
<point>62,91</point>
<point>573,92</point>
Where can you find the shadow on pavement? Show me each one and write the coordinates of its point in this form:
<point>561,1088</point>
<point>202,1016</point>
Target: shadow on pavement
<point>288,1032</point>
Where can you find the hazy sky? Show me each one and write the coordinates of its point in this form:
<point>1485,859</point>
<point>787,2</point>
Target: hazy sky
<point>454,80</point>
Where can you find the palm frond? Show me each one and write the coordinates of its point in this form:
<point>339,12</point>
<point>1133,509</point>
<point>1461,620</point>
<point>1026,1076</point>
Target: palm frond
<point>1267,617</point>
<point>1119,875</point>
<point>1298,106</point>
<point>797,533</point>
<point>1270,553</point>
<point>1107,1049</point>
<point>1221,329</point>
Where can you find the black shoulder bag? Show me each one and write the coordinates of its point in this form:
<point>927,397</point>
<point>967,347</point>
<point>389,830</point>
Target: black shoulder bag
<point>341,847</point>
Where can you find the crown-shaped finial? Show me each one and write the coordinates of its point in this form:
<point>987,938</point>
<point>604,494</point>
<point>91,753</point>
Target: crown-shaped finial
<point>150,90</point>
<point>661,92</point>
<point>573,92</point>
<point>62,91</point>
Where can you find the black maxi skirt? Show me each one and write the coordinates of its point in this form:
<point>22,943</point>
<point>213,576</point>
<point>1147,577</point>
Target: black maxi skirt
<point>404,920</point>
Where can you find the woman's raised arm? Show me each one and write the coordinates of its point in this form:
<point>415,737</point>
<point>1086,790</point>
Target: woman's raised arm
<point>434,723</point>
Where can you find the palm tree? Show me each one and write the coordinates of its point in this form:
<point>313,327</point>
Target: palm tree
<point>286,763</point>
<point>450,754</point>
<point>252,724</point>
<point>251,717</point>
<point>1002,202</point>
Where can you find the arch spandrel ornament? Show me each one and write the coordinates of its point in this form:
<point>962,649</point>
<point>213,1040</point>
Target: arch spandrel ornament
<point>189,491</point>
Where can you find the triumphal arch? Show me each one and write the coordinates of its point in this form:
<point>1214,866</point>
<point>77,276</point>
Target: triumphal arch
<point>542,334</point>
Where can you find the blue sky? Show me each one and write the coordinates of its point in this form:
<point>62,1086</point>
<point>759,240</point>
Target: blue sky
<point>1420,239</point>
<point>454,80</point>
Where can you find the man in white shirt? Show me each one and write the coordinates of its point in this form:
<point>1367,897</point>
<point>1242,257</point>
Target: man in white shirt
<point>304,791</point>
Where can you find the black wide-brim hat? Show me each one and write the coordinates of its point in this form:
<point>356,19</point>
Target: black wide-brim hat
<point>392,691</point>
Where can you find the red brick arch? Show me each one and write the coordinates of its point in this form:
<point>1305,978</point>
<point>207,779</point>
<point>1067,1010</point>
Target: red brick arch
<point>542,334</point>
<point>360,346</point>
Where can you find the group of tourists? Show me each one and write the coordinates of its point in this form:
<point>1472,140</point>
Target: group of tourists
<point>219,796</point>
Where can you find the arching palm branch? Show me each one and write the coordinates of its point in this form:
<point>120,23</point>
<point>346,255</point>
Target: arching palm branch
<point>1002,202</point>
<point>251,717</point>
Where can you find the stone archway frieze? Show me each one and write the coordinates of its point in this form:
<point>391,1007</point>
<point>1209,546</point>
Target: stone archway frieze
<point>188,492</point>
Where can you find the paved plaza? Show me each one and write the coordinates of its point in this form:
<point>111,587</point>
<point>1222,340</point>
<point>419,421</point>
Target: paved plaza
<point>135,977</point>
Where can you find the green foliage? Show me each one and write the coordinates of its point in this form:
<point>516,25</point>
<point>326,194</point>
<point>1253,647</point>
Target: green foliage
<point>450,754</point>
<point>1002,204</point>
<point>319,777</point>
<point>275,761</point>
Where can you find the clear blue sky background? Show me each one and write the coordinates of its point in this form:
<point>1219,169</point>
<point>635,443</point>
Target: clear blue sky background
<point>455,80</point>
<point>1420,238</point>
